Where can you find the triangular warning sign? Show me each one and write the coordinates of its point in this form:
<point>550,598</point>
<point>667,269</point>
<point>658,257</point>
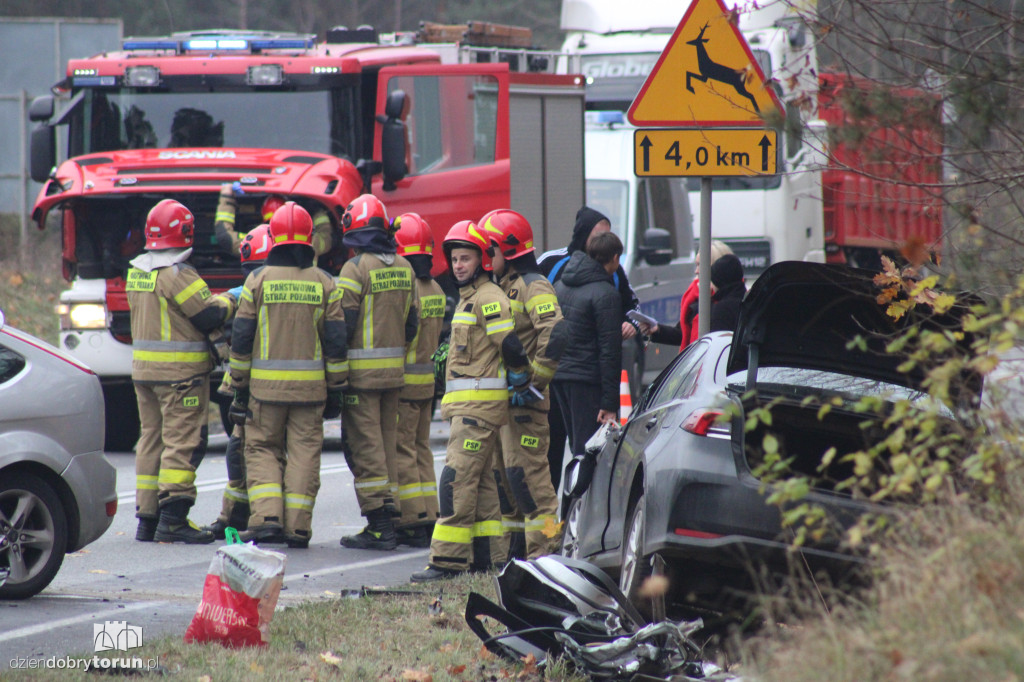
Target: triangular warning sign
<point>705,77</point>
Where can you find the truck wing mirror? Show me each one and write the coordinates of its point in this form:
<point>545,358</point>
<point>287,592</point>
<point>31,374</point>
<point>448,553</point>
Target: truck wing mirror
<point>657,246</point>
<point>41,108</point>
<point>43,153</point>
<point>394,145</point>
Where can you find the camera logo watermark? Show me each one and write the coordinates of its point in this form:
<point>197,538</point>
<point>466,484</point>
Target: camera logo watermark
<point>108,636</point>
<point>114,635</point>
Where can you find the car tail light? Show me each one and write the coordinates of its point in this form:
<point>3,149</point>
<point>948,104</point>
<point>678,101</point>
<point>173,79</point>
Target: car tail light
<point>112,507</point>
<point>703,422</point>
<point>697,534</point>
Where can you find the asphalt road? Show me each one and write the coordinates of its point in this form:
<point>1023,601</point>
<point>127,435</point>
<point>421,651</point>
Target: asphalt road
<point>157,586</point>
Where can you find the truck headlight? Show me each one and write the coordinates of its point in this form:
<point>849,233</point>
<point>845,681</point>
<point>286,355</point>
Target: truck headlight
<point>82,316</point>
<point>264,74</point>
<point>142,76</point>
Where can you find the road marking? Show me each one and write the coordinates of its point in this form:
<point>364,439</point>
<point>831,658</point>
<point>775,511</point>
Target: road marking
<point>369,563</point>
<point>74,620</point>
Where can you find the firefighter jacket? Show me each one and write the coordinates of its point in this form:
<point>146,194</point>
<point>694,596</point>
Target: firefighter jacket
<point>229,239</point>
<point>172,311</point>
<point>538,323</point>
<point>419,367</point>
<point>288,341</point>
<point>482,345</point>
<point>380,313</point>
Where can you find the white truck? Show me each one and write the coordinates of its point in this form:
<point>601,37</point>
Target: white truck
<point>831,201</point>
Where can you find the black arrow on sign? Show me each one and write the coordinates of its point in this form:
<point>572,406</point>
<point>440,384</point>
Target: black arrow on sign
<point>764,144</point>
<point>647,144</point>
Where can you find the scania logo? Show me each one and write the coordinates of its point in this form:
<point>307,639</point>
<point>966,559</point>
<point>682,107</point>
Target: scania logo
<point>199,154</point>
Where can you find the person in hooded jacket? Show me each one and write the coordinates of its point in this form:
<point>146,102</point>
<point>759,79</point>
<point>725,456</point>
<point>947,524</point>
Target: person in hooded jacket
<point>586,383</point>
<point>589,224</point>
<point>727,291</point>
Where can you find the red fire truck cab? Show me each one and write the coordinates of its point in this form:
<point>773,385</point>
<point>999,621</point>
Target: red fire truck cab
<point>449,131</point>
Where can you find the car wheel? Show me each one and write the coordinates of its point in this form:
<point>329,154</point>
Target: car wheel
<point>634,565</point>
<point>571,534</point>
<point>33,535</point>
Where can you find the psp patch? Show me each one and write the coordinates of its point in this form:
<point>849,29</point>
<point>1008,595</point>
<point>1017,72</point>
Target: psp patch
<point>491,310</point>
<point>529,441</point>
<point>471,445</point>
<point>190,401</point>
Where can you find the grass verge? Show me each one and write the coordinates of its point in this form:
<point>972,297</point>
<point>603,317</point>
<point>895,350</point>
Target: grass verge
<point>375,637</point>
<point>30,281</point>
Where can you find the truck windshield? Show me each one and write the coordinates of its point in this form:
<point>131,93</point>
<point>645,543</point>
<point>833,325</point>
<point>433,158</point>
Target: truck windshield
<point>312,120</point>
<point>611,197</point>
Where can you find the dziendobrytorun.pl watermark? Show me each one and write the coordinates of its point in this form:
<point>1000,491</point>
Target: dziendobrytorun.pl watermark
<point>86,664</point>
<point>108,636</point>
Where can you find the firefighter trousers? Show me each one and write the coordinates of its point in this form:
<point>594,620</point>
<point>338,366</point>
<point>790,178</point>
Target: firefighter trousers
<point>414,464</point>
<point>531,504</point>
<point>235,501</point>
<point>283,488</point>
<point>171,444</point>
<point>469,534</point>
<point>369,419</point>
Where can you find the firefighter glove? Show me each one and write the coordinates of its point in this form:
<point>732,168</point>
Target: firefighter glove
<point>236,292</point>
<point>524,396</point>
<point>332,408</point>
<point>518,380</point>
<point>239,409</point>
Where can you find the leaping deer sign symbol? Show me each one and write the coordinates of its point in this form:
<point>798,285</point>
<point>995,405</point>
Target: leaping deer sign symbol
<point>711,70</point>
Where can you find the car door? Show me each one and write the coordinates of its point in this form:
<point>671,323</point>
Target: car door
<point>644,428</point>
<point>456,130</point>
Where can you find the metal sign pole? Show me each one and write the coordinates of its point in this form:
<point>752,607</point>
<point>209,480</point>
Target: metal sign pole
<point>704,280</point>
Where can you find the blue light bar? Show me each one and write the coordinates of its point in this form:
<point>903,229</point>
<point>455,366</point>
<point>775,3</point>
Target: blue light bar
<point>283,44</point>
<point>604,117</point>
<point>216,44</point>
<point>150,44</point>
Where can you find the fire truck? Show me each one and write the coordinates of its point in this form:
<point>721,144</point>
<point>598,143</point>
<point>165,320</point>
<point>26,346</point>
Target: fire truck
<point>449,122</point>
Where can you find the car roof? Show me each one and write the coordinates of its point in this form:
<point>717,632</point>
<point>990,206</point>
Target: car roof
<point>804,314</point>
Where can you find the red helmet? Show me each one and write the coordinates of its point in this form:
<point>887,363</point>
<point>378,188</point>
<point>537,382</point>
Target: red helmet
<point>270,206</point>
<point>413,235</point>
<point>169,225</point>
<point>510,230</point>
<point>365,210</point>
<point>465,235</point>
<point>291,224</point>
<point>256,245</point>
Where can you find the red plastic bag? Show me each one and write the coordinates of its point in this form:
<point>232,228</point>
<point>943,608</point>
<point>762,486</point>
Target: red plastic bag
<point>239,597</point>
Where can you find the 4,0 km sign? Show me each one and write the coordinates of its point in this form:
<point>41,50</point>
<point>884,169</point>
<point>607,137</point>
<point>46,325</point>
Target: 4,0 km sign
<point>705,152</point>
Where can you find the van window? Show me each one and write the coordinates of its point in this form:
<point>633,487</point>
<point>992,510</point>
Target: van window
<point>455,136</point>
<point>664,203</point>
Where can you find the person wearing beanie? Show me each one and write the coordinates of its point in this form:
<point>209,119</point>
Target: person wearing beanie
<point>589,224</point>
<point>727,290</point>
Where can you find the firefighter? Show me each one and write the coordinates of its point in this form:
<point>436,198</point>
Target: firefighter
<point>172,314</point>
<point>523,461</point>
<point>234,510</point>
<point>485,357</point>
<point>288,367</point>
<point>381,318</point>
<point>414,463</point>
<point>229,239</point>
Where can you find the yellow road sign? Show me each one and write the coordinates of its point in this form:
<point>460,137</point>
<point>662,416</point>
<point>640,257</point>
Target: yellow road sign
<point>706,76</point>
<point>705,153</point>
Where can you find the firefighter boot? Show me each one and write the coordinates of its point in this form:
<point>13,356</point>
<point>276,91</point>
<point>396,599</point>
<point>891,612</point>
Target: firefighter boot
<point>416,536</point>
<point>378,534</point>
<point>146,529</point>
<point>174,525</point>
<point>238,519</point>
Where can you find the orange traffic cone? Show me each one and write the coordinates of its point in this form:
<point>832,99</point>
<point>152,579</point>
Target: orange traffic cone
<point>625,399</point>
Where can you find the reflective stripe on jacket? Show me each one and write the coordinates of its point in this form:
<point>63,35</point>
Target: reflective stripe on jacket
<point>476,383</point>
<point>171,312</point>
<point>379,296</point>
<point>288,341</point>
<point>419,368</point>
